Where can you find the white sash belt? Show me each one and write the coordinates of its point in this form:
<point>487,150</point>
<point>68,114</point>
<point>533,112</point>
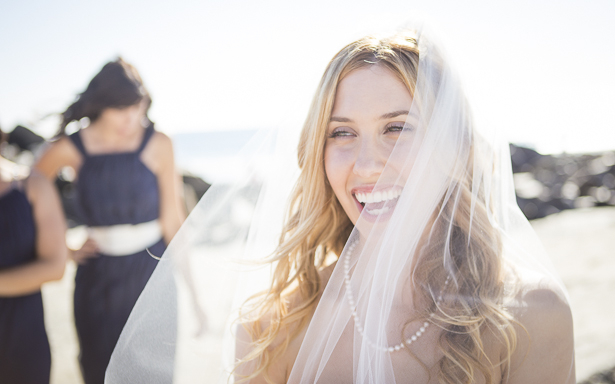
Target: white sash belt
<point>126,239</point>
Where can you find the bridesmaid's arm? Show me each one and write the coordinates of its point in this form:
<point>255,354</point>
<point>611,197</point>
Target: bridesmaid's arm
<point>51,251</point>
<point>172,213</point>
<point>59,154</point>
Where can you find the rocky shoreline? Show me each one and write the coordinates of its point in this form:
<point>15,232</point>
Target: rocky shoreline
<point>604,377</point>
<point>547,184</point>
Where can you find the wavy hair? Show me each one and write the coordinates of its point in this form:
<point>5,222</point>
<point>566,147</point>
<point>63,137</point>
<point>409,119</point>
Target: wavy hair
<point>317,226</point>
<point>117,85</point>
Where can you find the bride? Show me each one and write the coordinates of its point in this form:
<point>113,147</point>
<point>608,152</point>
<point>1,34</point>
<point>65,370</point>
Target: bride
<point>402,255</point>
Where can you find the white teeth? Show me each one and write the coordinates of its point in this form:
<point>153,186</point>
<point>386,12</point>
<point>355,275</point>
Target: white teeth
<point>378,211</point>
<point>376,197</point>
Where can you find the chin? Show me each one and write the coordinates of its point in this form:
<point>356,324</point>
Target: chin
<point>125,131</point>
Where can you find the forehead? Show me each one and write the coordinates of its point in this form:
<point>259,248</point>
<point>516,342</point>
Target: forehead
<point>370,91</point>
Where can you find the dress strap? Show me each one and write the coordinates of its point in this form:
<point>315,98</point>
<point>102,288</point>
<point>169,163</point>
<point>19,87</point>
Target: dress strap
<point>76,139</point>
<point>149,131</point>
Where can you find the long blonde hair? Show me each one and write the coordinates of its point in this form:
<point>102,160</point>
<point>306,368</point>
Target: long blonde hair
<point>317,226</point>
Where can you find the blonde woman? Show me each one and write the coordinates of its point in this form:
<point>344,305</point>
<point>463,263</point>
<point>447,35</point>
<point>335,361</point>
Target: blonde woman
<point>403,257</point>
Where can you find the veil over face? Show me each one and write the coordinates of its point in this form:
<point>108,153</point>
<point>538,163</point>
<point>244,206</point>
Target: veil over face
<point>395,252</point>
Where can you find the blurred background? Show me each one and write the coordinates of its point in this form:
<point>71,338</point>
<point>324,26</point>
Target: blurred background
<point>540,71</point>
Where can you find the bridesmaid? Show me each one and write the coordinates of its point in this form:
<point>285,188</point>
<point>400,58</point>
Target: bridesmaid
<point>32,252</point>
<point>127,195</point>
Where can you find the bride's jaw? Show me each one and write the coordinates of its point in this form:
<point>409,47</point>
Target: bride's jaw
<point>374,203</point>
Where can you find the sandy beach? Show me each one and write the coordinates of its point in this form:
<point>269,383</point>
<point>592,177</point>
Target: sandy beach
<point>581,244</point>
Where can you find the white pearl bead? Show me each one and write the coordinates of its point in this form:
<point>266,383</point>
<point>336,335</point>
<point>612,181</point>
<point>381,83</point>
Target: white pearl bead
<point>358,325</point>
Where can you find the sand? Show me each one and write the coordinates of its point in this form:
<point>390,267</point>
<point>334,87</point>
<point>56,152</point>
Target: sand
<point>581,244</point>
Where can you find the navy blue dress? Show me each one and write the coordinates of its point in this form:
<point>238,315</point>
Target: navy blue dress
<point>25,357</point>
<point>111,189</point>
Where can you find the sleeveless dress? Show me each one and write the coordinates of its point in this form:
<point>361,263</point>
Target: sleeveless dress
<point>111,189</point>
<point>25,357</point>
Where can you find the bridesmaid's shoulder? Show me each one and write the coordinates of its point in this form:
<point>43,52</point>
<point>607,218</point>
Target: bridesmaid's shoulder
<point>161,140</point>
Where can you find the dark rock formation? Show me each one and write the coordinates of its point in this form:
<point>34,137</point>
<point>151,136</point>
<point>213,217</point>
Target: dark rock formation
<point>24,138</point>
<point>604,377</point>
<point>547,184</point>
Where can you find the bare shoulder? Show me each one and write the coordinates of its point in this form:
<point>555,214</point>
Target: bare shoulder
<point>161,142</point>
<point>545,344</point>
<point>158,154</point>
<point>65,146</point>
<point>58,154</point>
<point>542,304</point>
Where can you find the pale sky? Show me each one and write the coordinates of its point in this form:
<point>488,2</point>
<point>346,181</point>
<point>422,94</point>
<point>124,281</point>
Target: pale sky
<point>543,71</point>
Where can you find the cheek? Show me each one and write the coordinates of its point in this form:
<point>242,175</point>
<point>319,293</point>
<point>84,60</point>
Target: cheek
<point>337,167</point>
<point>401,160</point>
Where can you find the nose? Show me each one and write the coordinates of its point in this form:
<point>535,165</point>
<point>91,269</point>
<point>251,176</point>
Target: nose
<point>370,160</point>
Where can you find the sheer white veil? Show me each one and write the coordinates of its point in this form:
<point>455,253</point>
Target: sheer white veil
<point>441,279</point>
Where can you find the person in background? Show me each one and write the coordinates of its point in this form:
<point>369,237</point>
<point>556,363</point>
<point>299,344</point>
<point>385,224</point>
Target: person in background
<point>128,195</point>
<point>32,252</point>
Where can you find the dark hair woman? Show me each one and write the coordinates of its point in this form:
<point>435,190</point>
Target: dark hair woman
<point>32,252</point>
<point>127,195</point>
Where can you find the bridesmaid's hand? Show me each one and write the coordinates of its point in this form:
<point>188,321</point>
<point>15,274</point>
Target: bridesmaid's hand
<point>88,250</point>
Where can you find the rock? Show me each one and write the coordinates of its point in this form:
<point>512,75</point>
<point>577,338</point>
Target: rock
<point>547,184</point>
<point>604,377</point>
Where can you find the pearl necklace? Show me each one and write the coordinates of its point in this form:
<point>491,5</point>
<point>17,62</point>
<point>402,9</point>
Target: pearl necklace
<point>357,323</point>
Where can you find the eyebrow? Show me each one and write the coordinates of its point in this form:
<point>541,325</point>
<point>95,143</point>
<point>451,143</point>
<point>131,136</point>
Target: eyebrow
<point>393,114</point>
<point>389,115</point>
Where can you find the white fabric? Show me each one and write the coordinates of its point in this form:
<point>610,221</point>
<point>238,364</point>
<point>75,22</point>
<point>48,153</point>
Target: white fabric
<point>126,239</point>
<point>457,204</point>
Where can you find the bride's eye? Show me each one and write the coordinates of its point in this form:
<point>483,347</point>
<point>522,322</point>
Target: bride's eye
<point>340,132</point>
<point>399,127</point>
